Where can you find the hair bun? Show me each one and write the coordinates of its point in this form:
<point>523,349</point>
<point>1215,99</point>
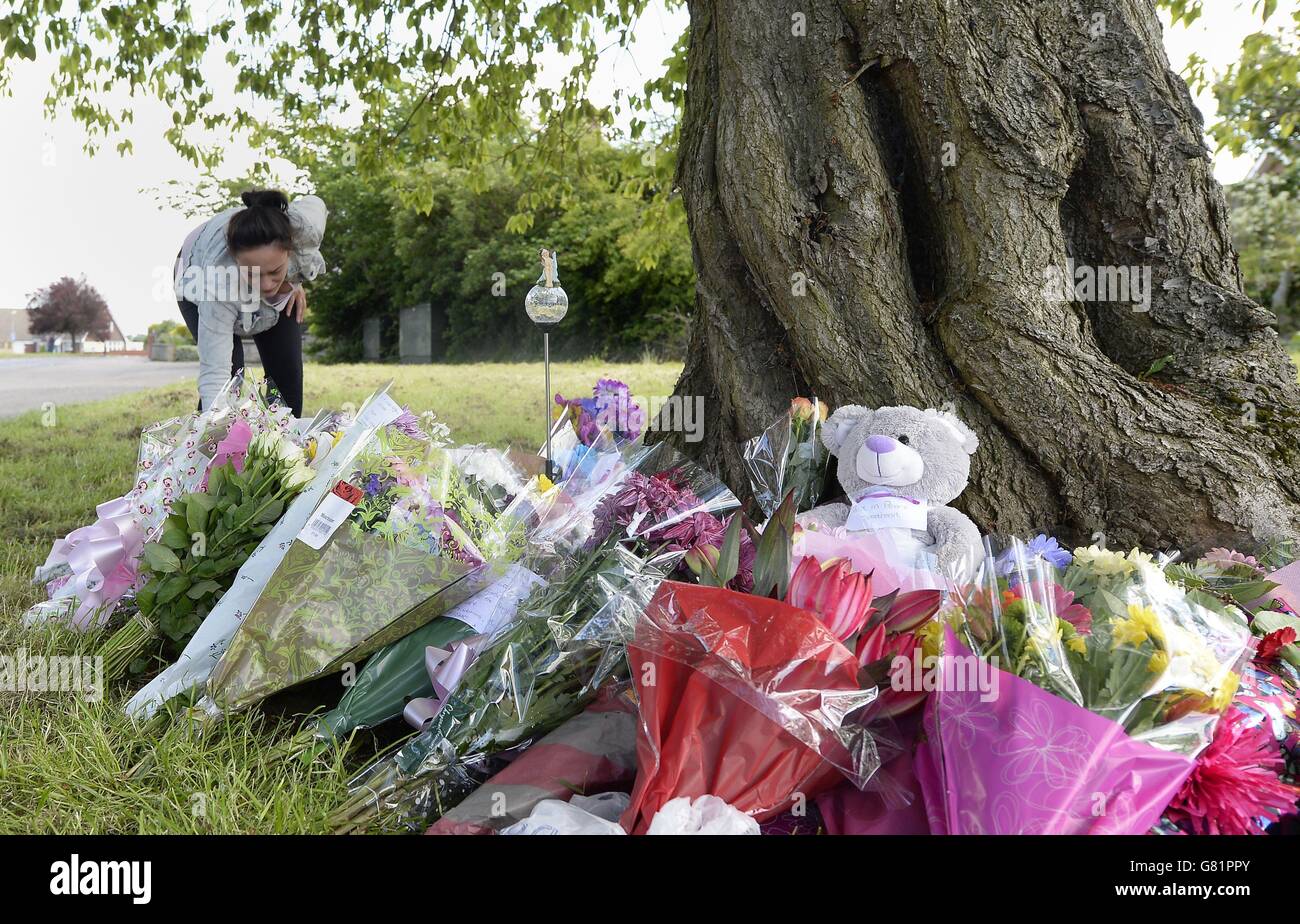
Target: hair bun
<point>265,198</point>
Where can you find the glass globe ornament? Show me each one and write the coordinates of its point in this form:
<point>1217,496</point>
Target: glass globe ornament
<point>546,302</point>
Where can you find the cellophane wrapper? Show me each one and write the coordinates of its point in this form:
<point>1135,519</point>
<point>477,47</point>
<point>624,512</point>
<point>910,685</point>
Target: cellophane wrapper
<point>541,670</point>
<point>204,650</point>
<point>745,698</point>
<point>89,571</point>
<point>1072,700</point>
<point>787,456</point>
<point>412,548</point>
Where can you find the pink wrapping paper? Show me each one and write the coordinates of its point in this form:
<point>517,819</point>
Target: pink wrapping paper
<point>1029,762</point>
<point>1288,589</point>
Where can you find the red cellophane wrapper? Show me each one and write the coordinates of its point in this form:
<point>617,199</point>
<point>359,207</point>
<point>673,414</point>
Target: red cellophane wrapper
<point>744,698</point>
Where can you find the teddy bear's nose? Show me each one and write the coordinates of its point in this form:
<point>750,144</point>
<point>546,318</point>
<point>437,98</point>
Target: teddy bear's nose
<point>881,444</point>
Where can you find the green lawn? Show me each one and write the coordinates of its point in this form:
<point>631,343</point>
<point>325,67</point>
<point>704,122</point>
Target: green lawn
<point>69,765</point>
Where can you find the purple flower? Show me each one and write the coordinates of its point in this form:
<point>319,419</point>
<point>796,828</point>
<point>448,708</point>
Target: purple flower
<point>1041,546</point>
<point>641,503</point>
<point>407,423</point>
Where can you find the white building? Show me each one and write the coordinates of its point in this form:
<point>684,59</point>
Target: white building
<point>16,338</point>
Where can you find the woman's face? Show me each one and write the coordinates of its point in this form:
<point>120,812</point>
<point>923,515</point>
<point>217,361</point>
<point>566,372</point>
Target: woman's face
<point>268,265</point>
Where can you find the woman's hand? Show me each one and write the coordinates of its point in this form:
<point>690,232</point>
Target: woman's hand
<point>297,303</point>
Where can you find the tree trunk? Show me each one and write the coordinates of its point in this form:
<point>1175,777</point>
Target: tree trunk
<point>878,191</point>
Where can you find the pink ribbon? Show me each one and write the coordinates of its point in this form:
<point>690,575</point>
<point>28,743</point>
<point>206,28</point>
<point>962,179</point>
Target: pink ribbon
<point>102,559</point>
<point>445,667</point>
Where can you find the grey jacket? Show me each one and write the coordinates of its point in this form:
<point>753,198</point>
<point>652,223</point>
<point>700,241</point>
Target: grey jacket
<point>207,275</point>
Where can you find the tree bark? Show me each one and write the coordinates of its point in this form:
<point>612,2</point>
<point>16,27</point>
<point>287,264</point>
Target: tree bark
<point>874,207</point>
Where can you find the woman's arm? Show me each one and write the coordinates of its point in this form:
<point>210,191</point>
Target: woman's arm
<point>216,346</point>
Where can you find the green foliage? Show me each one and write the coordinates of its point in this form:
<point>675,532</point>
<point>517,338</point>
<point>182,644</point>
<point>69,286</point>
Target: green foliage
<point>170,332</point>
<point>1266,233</point>
<point>398,83</point>
<point>624,259</point>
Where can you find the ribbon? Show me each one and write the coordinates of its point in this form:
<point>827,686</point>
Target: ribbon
<point>102,560</point>
<point>445,666</point>
<point>874,494</point>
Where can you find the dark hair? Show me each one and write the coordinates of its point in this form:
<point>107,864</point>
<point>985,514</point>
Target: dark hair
<point>263,221</point>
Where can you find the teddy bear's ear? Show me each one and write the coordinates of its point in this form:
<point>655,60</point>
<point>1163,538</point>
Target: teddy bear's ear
<point>964,434</point>
<point>840,424</point>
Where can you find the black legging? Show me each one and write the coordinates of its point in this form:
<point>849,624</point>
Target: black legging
<point>280,349</point>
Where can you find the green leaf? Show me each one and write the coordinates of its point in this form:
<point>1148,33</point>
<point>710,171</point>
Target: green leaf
<point>160,559</point>
<point>175,537</point>
<point>272,512</point>
<point>172,588</point>
<point>729,554</point>
<point>202,587</point>
<point>196,515</point>
<point>773,549</point>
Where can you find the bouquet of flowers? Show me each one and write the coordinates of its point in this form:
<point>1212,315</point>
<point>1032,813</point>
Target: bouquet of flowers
<point>603,539</point>
<point>1245,782</point>
<point>205,539</point>
<point>789,456</point>
<point>744,698</point>
<point>544,668</point>
<point>394,545</point>
<point>1072,693</point>
<point>609,414</point>
<point>88,572</point>
<point>328,457</point>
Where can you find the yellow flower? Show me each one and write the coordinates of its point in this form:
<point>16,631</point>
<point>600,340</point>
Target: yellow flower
<point>1227,690</point>
<point>1146,617</point>
<point>1127,631</point>
<point>1102,561</point>
<point>930,634</point>
<point>1077,645</point>
<point>544,484</point>
<point>1159,661</point>
<point>1141,559</point>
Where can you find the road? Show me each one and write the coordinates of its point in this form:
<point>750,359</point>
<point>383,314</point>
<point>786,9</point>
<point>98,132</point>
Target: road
<point>26,383</point>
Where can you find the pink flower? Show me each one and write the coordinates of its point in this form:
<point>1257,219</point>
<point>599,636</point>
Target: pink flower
<point>1235,782</point>
<point>839,595</point>
<point>1076,614</point>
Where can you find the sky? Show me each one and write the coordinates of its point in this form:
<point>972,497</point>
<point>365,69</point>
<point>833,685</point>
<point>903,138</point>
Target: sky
<point>68,213</point>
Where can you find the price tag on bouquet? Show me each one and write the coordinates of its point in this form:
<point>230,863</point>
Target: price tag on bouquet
<point>331,513</point>
<point>878,509</point>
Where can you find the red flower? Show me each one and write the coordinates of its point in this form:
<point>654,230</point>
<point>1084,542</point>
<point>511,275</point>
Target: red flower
<point>1235,781</point>
<point>1271,644</point>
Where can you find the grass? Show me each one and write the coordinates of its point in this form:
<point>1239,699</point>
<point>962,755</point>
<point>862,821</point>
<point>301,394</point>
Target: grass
<point>70,765</point>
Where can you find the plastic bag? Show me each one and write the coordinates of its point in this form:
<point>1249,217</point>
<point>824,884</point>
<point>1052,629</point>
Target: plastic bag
<point>579,815</point>
<point>1072,698</point>
<point>705,815</point>
<point>789,456</point>
<point>742,697</point>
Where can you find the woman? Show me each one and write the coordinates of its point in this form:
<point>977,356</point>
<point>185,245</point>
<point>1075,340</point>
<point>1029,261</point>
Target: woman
<point>241,273</point>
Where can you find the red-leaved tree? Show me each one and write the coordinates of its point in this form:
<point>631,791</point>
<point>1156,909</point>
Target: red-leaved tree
<point>69,306</point>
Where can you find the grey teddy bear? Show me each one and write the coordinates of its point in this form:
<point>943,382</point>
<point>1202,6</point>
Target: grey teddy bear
<point>902,465</point>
